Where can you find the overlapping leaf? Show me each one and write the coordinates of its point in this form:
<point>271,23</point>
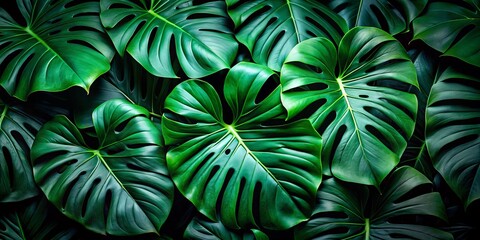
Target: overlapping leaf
<point>121,187</point>
<point>202,229</point>
<point>160,33</point>
<point>270,29</point>
<point>393,16</point>
<point>363,111</point>
<point>17,132</point>
<point>62,45</point>
<point>347,211</point>
<point>248,174</point>
<point>453,28</point>
<point>453,130</point>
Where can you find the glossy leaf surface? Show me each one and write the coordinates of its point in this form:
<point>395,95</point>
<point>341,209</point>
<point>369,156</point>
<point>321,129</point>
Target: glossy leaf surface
<point>203,229</point>
<point>393,16</point>
<point>248,173</point>
<point>160,33</point>
<point>62,45</point>
<point>17,132</point>
<point>347,211</point>
<point>362,110</point>
<point>121,187</point>
<point>452,29</point>
<point>270,29</point>
<point>453,130</point>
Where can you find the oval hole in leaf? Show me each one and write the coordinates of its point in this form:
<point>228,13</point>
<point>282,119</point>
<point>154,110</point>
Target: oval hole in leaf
<point>89,193</point>
<point>226,182</point>
<point>257,191</point>
<point>267,88</point>
<point>64,167</point>
<point>70,187</point>
<point>8,161</point>
<point>21,141</point>
<point>328,120</point>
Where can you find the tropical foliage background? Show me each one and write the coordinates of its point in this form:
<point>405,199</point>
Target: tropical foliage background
<point>170,119</point>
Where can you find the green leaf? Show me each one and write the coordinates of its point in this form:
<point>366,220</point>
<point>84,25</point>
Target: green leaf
<point>126,80</point>
<point>120,188</point>
<point>17,132</point>
<point>349,211</point>
<point>35,219</point>
<point>158,33</point>
<point>251,173</point>
<point>393,16</point>
<point>416,154</point>
<point>202,229</point>
<point>62,45</point>
<point>270,29</point>
<point>452,29</point>
<point>359,99</point>
<point>453,130</point>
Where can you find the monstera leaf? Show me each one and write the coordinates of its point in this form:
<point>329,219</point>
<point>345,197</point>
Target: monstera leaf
<point>17,132</point>
<point>416,153</point>
<point>157,33</point>
<point>119,188</point>
<point>202,229</point>
<point>393,16</point>
<point>35,219</point>
<point>348,211</point>
<point>363,111</point>
<point>453,28</point>
<point>62,45</point>
<point>453,130</point>
<point>270,29</point>
<point>126,80</point>
<point>249,173</point>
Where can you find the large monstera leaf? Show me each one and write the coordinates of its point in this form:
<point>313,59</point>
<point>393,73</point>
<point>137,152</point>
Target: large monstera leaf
<point>17,132</point>
<point>393,16</point>
<point>119,188</point>
<point>363,111</point>
<point>248,174</point>
<point>157,33</point>
<point>35,219</point>
<point>349,211</point>
<point>453,130</point>
<point>452,28</point>
<point>62,45</point>
<point>126,80</point>
<point>270,29</point>
<point>204,229</point>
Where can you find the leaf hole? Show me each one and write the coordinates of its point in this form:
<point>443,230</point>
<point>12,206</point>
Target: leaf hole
<point>414,192</point>
<point>9,163</point>
<point>310,34</point>
<point>55,32</point>
<point>87,196</point>
<point>120,127</point>
<point>33,131</point>
<point>68,190</point>
<point>64,166</point>
<point>86,14</point>
<point>197,16</point>
<point>202,163</point>
<point>397,105</point>
<point>49,156</point>
<point>227,151</point>
<point>338,137</point>
<point>106,206</point>
<point>21,142</point>
<point>152,37</point>
<point>457,142</point>
<point>382,21</point>
<point>327,122</point>
<point>311,109</point>
<point>341,7</point>
<point>267,89</point>
<point>139,145</point>
<point>210,176</point>
<point>113,150</point>
<point>55,21</point>
<point>82,43</point>
<point>317,86</point>
<point>257,194</point>
<point>387,64</point>
<point>126,20</point>
<point>256,15</point>
<point>119,5</point>
<point>381,138</point>
<point>370,54</point>
<point>238,205</point>
<point>474,84</point>
<point>4,45</point>
<point>136,167</point>
<point>327,19</point>
<point>320,27</point>
<point>464,103</point>
<point>363,96</point>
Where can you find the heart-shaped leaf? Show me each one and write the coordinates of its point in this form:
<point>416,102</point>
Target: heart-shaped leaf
<point>157,33</point>
<point>349,211</point>
<point>17,132</point>
<point>452,28</point>
<point>359,98</point>
<point>249,173</point>
<point>393,16</point>
<point>35,219</point>
<point>270,29</point>
<point>121,187</point>
<point>453,130</point>
<point>62,45</point>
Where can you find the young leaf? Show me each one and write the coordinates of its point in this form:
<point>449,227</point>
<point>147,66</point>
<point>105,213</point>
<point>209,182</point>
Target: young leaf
<point>121,188</point>
<point>453,130</point>
<point>158,33</point>
<point>251,173</point>
<point>362,110</point>
<point>62,45</point>
<point>270,29</point>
